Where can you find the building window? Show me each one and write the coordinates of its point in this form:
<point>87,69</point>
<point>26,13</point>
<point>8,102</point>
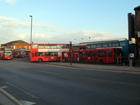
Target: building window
<point>25,47</point>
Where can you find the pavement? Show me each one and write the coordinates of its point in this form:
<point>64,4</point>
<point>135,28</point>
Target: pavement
<point>7,99</point>
<point>99,67</point>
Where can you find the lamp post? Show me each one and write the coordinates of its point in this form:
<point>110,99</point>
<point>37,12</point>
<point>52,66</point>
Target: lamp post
<point>31,29</point>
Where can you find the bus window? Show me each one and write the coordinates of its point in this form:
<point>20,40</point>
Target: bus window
<point>88,46</point>
<point>47,53</point>
<point>41,53</point>
<point>58,46</point>
<point>84,54</point>
<point>34,46</point>
<point>123,43</point>
<point>110,53</point>
<point>53,46</point>
<point>106,53</point>
<point>36,54</point>
<point>110,44</point>
<point>47,46</point>
<point>105,44</point>
<point>82,48</point>
<point>53,53</point>
<point>101,53</point>
<point>63,46</point>
<point>92,46</point>
<point>68,46</point>
<point>93,54</point>
<point>89,53</point>
<point>115,44</point>
<point>95,45</point>
<point>98,45</point>
<point>40,46</point>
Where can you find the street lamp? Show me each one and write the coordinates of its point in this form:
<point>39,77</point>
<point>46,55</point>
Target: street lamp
<point>89,38</point>
<point>31,29</point>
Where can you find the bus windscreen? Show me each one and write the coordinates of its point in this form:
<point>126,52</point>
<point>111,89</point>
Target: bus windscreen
<point>8,51</point>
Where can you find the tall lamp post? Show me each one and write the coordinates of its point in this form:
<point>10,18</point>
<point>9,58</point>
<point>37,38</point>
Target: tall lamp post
<point>31,29</point>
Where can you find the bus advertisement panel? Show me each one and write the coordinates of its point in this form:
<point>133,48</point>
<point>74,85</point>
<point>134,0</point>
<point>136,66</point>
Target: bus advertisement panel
<point>19,53</point>
<point>106,55</point>
<point>49,52</point>
<point>6,53</point>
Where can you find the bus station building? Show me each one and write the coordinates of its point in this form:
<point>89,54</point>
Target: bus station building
<point>17,44</point>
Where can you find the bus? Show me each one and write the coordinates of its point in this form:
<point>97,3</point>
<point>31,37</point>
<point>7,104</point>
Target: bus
<point>6,53</point>
<point>123,44</point>
<point>105,55</point>
<point>19,53</point>
<point>49,52</point>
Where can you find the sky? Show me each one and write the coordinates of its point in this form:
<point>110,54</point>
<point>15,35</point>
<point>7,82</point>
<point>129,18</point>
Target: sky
<point>62,21</point>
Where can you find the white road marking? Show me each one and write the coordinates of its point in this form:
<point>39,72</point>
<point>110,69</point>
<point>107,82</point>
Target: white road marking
<point>23,91</point>
<point>27,102</point>
<point>3,87</point>
<point>111,81</point>
<point>48,72</point>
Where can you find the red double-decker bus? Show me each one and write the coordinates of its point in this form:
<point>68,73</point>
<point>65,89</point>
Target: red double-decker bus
<point>49,52</point>
<point>6,53</point>
<point>19,53</point>
<point>105,55</point>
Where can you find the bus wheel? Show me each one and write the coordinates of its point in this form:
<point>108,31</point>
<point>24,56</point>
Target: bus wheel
<point>39,60</point>
<point>101,61</point>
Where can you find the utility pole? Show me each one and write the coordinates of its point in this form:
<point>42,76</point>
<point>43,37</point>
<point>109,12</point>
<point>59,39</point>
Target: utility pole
<point>31,29</point>
<point>70,53</point>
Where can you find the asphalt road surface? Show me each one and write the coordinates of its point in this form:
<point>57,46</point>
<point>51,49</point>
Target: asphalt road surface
<point>44,84</point>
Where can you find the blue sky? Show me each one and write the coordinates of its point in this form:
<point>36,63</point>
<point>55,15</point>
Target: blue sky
<point>61,21</point>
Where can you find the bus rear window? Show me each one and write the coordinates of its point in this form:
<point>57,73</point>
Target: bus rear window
<point>8,49</point>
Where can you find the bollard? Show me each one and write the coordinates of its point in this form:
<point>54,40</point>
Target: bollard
<point>130,63</point>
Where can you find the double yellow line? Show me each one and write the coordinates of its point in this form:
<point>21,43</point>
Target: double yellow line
<point>11,97</point>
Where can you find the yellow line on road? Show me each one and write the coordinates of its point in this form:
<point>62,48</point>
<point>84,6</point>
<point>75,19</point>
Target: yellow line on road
<point>10,96</point>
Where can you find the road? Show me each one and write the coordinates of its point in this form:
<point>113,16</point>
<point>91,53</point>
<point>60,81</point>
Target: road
<point>44,84</point>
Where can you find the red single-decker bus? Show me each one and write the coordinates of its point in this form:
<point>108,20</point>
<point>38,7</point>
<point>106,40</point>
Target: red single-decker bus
<point>105,55</point>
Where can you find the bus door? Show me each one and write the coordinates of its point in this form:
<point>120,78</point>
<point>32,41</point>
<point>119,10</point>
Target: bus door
<point>117,55</point>
<point>80,56</point>
<point>94,56</point>
<point>76,57</point>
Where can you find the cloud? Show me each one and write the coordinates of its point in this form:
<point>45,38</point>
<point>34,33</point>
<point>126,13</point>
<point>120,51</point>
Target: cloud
<point>12,29</point>
<point>12,2</point>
